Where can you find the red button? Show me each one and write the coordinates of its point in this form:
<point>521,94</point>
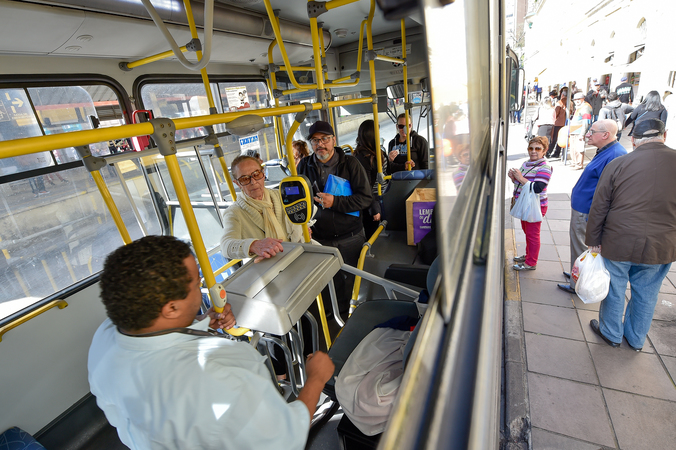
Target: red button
<point>222,294</point>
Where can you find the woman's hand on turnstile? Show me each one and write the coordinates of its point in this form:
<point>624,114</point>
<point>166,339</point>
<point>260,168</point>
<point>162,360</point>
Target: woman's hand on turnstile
<point>265,248</point>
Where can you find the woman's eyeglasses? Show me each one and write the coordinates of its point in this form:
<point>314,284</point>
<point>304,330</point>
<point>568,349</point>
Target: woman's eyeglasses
<point>246,179</point>
<point>537,149</point>
<point>323,140</point>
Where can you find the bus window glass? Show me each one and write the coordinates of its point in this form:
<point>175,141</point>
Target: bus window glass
<point>242,96</point>
<point>176,100</point>
<point>72,238</point>
<point>63,109</point>
<point>17,121</point>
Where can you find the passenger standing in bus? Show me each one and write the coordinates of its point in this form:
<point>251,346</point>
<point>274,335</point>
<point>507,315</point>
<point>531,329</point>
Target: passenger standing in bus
<point>256,224</point>
<point>601,135</point>
<point>365,152</point>
<point>165,382</point>
<point>300,151</point>
<point>397,149</point>
<point>539,172</point>
<point>336,224</point>
<point>579,125</point>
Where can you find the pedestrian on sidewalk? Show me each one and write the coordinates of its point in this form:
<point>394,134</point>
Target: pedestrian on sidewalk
<point>602,136</point>
<point>559,122</point>
<point>579,125</point>
<point>632,223</point>
<point>538,171</point>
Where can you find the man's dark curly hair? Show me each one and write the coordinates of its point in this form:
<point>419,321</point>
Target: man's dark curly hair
<point>138,279</point>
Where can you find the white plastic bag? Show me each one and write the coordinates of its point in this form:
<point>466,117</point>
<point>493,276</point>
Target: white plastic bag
<point>592,278</point>
<point>527,206</point>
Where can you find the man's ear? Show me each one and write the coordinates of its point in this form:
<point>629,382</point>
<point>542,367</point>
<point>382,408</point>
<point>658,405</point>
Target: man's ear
<point>171,310</point>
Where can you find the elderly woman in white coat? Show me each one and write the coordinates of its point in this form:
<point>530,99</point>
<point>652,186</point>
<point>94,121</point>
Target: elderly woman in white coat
<point>256,224</point>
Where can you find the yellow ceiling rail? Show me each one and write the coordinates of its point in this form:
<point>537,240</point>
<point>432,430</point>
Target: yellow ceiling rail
<point>390,59</point>
<point>150,59</point>
<point>36,312</point>
<point>27,146</point>
<point>337,3</point>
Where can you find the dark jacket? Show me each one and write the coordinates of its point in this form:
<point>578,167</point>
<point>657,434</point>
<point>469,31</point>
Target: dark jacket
<point>640,114</point>
<point>420,153</point>
<point>626,92</point>
<point>372,173</point>
<point>633,214</point>
<point>595,100</point>
<point>334,222</point>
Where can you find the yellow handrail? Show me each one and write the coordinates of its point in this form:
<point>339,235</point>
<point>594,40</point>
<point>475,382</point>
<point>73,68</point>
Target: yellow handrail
<point>27,146</point>
<point>112,208</point>
<point>390,59</point>
<point>337,3</point>
<point>210,99</point>
<point>344,146</point>
<point>360,263</point>
<point>408,132</point>
<point>153,58</point>
<point>372,74</point>
<point>36,312</point>
<point>226,267</point>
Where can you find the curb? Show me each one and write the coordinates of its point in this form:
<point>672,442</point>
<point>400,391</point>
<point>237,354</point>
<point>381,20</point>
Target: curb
<point>516,426</point>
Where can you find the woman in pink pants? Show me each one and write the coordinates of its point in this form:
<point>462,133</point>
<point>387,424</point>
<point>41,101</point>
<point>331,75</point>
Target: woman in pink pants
<point>537,171</point>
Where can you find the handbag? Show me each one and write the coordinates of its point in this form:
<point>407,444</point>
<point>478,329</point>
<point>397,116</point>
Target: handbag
<point>527,206</point>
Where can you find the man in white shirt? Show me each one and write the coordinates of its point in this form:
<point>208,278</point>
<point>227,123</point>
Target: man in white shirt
<point>164,382</point>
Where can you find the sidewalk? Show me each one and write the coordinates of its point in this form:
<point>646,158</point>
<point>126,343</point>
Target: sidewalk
<point>566,388</point>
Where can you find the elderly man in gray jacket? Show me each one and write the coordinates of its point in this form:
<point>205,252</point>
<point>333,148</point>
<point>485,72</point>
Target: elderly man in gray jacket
<point>632,222</point>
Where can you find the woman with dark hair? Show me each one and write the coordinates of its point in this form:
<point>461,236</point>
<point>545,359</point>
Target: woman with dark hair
<point>650,108</point>
<point>365,152</point>
<point>300,151</point>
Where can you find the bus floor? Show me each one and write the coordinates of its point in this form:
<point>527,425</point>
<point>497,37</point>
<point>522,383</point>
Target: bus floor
<point>574,389</point>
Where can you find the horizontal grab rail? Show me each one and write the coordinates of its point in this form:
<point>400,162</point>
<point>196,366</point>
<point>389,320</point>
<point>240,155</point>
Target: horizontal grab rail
<point>26,146</point>
<point>36,312</point>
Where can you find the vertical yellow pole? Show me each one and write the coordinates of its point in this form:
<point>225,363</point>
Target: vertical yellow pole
<point>403,56</point>
<point>372,74</point>
<point>279,127</point>
<point>210,98</point>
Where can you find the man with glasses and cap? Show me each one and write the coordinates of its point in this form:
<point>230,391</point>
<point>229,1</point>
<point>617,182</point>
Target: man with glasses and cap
<point>632,224</point>
<point>337,221</point>
<point>602,136</point>
<point>397,149</point>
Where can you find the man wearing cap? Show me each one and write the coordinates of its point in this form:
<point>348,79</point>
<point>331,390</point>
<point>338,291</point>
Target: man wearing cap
<point>595,100</point>
<point>625,91</point>
<point>632,223</point>
<point>602,136</point>
<point>578,128</point>
<point>334,225</point>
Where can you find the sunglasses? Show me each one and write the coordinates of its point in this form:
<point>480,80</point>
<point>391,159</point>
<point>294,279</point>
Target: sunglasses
<point>323,140</point>
<point>246,179</point>
<point>400,126</point>
<point>537,149</point>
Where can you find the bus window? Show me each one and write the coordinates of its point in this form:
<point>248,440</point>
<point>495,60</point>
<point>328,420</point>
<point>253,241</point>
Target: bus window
<point>75,231</point>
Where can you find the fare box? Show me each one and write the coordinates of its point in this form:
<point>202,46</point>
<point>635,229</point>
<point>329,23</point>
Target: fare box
<point>419,207</point>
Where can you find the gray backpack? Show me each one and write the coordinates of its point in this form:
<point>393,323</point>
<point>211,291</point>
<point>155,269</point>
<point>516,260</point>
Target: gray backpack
<point>616,117</point>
